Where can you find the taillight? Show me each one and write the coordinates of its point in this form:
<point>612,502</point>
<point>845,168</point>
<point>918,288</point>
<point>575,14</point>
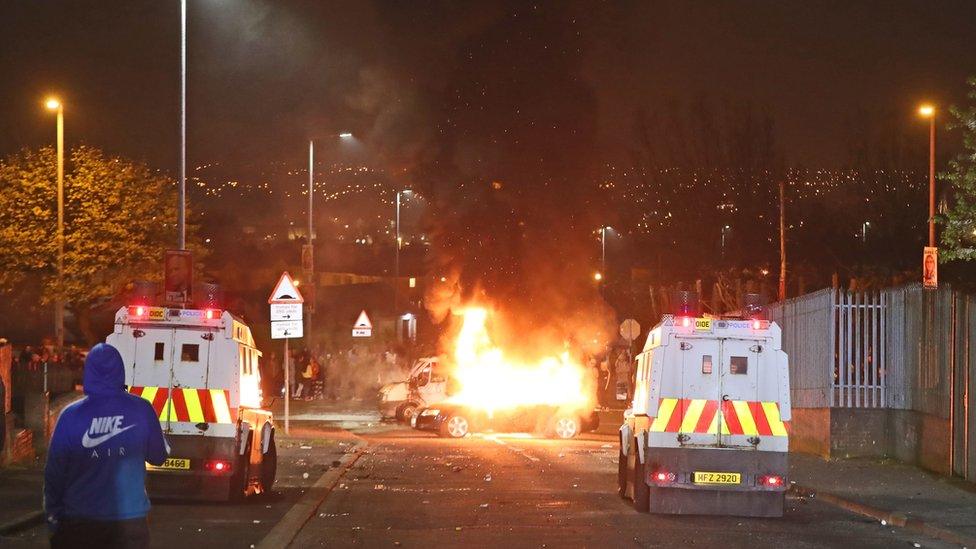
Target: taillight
<point>217,466</point>
<point>771,481</point>
<point>211,314</point>
<point>663,477</point>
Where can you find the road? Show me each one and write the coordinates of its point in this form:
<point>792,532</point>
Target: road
<point>303,458</point>
<point>416,490</point>
<point>413,489</point>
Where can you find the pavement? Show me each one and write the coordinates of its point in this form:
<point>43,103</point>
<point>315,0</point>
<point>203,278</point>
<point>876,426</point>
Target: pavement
<point>348,479</point>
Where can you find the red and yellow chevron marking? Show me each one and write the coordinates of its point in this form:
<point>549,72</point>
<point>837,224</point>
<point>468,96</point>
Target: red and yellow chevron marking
<point>193,405</point>
<point>737,417</point>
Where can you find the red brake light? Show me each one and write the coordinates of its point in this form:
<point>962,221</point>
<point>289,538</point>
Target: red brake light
<point>686,322</point>
<point>140,311</point>
<point>772,480</point>
<point>217,466</point>
<point>663,477</point>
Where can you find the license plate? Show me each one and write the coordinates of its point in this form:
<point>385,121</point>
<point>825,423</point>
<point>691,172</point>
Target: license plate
<point>173,463</point>
<point>703,477</point>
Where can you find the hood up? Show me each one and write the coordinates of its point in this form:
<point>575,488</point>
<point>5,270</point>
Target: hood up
<point>104,371</point>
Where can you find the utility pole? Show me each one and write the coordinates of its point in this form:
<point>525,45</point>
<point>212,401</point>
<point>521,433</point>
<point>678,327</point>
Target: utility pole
<point>310,275</point>
<point>932,180</point>
<point>181,212</point>
<point>782,240</point>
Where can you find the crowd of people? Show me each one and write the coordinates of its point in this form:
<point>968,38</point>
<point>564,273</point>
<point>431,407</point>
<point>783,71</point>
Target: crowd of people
<point>336,374</point>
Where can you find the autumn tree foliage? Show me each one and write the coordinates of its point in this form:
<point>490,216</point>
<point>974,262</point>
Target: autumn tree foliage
<point>119,218</point>
<point>958,236</point>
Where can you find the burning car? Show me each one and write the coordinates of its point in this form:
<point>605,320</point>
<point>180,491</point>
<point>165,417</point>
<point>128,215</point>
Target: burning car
<point>497,389</point>
<point>458,420</point>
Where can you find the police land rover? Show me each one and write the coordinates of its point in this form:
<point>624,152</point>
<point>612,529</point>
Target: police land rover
<point>707,431</point>
<point>199,370</point>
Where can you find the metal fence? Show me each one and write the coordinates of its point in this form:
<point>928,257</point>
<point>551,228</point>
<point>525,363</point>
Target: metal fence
<point>889,349</point>
<point>805,322</point>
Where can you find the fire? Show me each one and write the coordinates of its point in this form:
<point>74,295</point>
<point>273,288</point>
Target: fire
<point>251,390</point>
<point>489,380</point>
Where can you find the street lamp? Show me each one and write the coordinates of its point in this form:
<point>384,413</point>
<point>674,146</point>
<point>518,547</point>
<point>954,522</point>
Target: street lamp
<point>55,104</point>
<point>310,266</point>
<point>864,231</point>
<point>725,231</point>
<point>399,243</point>
<point>928,111</point>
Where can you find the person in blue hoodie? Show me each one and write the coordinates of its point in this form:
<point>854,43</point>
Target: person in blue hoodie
<point>95,476</point>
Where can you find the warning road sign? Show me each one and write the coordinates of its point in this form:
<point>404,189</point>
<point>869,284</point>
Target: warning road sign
<point>363,327</point>
<point>286,291</point>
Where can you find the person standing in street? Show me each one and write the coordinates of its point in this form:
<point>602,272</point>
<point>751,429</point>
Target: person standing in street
<point>95,476</point>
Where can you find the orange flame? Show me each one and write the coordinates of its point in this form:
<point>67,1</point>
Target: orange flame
<point>491,381</point>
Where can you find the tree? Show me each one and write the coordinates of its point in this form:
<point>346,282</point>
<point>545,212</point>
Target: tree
<point>959,221</point>
<point>120,217</point>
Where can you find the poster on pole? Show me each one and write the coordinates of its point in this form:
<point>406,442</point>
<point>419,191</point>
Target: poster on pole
<point>177,277</point>
<point>930,268</point>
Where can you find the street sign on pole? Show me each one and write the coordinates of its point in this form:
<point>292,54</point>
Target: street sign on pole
<point>285,291</point>
<point>286,329</point>
<point>286,311</point>
<point>363,326</point>
<point>630,330</point>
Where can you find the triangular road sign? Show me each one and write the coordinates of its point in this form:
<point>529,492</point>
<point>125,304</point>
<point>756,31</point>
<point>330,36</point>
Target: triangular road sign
<point>286,291</point>
<point>363,321</point>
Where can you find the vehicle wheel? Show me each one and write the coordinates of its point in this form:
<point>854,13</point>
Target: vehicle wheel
<point>269,466</point>
<point>565,427</point>
<point>642,492</point>
<point>455,427</point>
<point>407,411</point>
<point>240,476</point>
<point>621,473</point>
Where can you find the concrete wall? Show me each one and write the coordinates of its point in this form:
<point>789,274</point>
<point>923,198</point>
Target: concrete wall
<point>810,431</point>
<point>906,435</point>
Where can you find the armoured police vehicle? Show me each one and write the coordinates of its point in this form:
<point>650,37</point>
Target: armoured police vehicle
<point>199,370</point>
<point>707,431</point>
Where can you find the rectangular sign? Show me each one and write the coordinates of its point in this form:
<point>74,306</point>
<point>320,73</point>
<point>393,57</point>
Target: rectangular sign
<point>930,267</point>
<point>286,311</point>
<point>362,332</point>
<point>286,329</point>
<point>703,324</point>
<point>178,276</point>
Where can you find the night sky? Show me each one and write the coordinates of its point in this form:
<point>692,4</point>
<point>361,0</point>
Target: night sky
<point>481,87</point>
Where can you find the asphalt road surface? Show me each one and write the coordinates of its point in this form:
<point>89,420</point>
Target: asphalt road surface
<point>412,489</point>
<point>175,524</point>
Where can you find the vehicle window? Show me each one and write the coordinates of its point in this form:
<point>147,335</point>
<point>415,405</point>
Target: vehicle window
<point>739,365</point>
<point>159,351</point>
<point>423,377</point>
<point>706,364</point>
<point>190,352</point>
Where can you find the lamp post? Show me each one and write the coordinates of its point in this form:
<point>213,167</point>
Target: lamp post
<point>181,211</point>
<point>399,242</point>
<point>55,105</point>
<point>928,111</point>
<point>309,267</point>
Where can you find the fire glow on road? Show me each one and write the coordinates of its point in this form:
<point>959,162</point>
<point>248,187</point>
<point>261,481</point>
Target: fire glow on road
<point>492,381</point>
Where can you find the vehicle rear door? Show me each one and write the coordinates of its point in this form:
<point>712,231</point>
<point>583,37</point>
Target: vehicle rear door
<point>740,365</point>
<point>152,357</point>
<point>191,357</point>
<point>695,414</point>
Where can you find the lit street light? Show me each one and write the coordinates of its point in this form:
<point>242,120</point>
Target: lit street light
<point>725,231</point>
<point>55,105</point>
<point>928,111</point>
<point>598,276</point>
<point>309,264</point>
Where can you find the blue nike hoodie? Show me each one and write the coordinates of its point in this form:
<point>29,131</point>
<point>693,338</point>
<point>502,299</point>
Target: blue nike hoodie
<point>96,463</point>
